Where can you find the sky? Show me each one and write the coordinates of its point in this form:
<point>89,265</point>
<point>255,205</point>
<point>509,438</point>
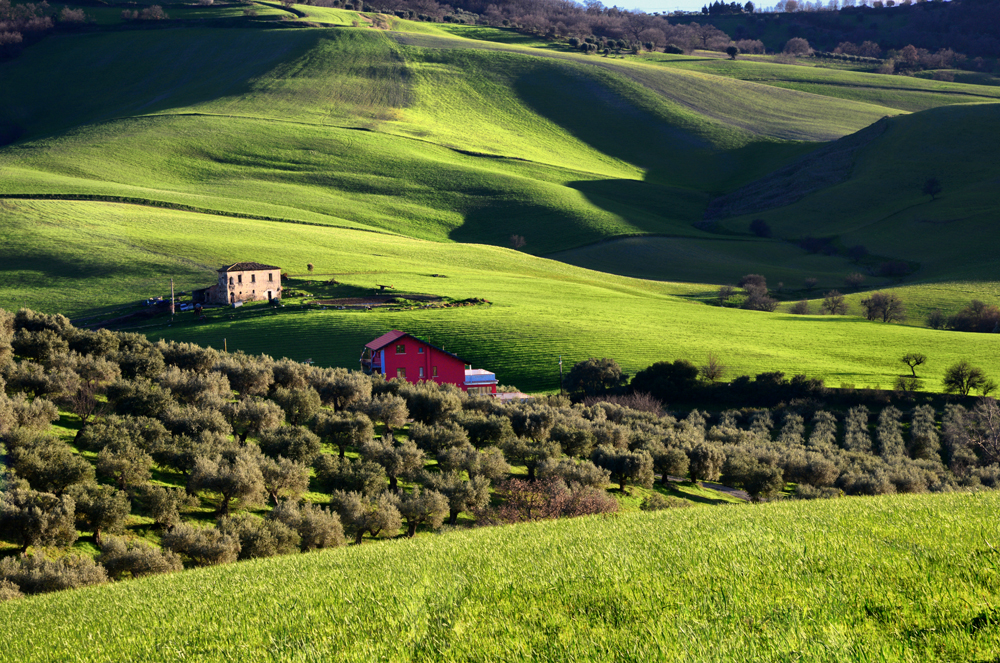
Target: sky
<point>650,6</point>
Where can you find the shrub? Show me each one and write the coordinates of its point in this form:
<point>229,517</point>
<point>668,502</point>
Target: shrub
<point>524,501</point>
<point>259,537</point>
<point>8,590</point>
<point>133,559</point>
<point>317,527</point>
<point>351,475</point>
<point>291,442</point>
<point>658,502</point>
<point>203,546</point>
<point>29,518</point>
<point>36,574</point>
<point>800,308</point>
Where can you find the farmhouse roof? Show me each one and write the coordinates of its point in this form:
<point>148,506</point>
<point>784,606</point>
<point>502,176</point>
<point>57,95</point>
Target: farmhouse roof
<point>245,267</point>
<point>395,335</point>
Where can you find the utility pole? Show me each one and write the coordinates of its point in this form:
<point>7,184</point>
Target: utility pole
<point>560,376</point>
<point>172,309</point>
<point>225,348</point>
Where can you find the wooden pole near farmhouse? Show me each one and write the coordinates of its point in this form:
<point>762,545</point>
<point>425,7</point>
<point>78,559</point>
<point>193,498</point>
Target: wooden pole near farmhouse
<point>560,376</point>
<point>172,309</point>
<point>225,348</point>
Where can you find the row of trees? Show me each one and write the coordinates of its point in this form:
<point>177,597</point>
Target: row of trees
<point>22,23</point>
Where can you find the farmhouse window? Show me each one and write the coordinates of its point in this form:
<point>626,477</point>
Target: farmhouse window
<point>253,278</point>
<point>239,278</point>
<point>420,350</point>
<point>421,371</point>
<point>230,280</point>
<point>400,372</point>
<point>434,371</point>
<point>401,349</point>
<point>270,276</point>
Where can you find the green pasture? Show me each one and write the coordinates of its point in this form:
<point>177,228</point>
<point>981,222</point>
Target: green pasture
<point>79,257</point>
<point>907,578</point>
<point>903,93</point>
<point>881,204</point>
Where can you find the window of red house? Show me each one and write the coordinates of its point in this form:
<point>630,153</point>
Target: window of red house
<point>400,372</point>
<point>421,371</point>
<point>420,350</point>
<point>401,349</point>
<point>434,371</point>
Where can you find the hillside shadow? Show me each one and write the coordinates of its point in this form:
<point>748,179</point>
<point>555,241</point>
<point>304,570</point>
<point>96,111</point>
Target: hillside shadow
<point>136,72</point>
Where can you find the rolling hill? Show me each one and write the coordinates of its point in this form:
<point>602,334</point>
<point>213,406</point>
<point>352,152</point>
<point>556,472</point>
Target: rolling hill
<point>391,155</point>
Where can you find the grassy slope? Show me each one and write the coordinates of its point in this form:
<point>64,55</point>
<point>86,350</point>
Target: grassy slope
<point>881,205</point>
<point>154,131</point>
<point>896,578</point>
<point>903,93</point>
<point>101,254</point>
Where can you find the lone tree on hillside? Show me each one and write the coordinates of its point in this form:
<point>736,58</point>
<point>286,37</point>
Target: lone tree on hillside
<point>931,187</point>
<point>797,46</point>
<point>811,283</point>
<point>886,306</point>
<point>914,359</point>
<point>834,303</point>
<point>963,377</point>
<point>732,52</point>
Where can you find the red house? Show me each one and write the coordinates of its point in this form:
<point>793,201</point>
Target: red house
<point>400,355</point>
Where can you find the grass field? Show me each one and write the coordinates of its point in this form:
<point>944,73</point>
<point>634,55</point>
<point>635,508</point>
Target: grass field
<point>465,136</point>
<point>541,309</point>
<point>891,579</point>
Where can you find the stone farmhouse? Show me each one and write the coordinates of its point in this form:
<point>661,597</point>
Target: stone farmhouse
<point>242,282</point>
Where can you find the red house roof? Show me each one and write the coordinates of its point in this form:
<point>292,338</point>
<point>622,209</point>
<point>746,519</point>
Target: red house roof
<point>385,339</point>
<point>395,335</point>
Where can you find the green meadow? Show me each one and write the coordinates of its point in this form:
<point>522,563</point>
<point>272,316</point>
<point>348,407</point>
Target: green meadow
<point>907,578</point>
<point>389,156</point>
<point>540,309</point>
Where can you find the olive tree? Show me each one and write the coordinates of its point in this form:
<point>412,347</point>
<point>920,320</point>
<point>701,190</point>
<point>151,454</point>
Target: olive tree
<point>29,518</point>
<point>102,509</point>
<point>422,507</point>
<point>376,516</point>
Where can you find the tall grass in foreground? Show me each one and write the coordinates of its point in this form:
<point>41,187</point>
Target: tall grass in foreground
<point>863,579</point>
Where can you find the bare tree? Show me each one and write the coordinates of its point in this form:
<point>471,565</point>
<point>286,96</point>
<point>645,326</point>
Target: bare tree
<point>713,369</point>
<point>886,306</point>
<point>914,359</point>
<point>834,303</point>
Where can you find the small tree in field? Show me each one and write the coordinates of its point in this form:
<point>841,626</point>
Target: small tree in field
<point>732,52</point>
<point>914,359</point>
<point>713,369</point>
<point>932,187</point>
<point>885,306</point>
<point>811,283</point>
<point>797,46</point>
<point>834,303</point>
<point>963,377</point>
<point>310,266</point>
<point>854,280</point>
<point>706,462</point>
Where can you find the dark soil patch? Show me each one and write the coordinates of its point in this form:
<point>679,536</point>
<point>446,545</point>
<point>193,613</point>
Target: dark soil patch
<point>378,300</point>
